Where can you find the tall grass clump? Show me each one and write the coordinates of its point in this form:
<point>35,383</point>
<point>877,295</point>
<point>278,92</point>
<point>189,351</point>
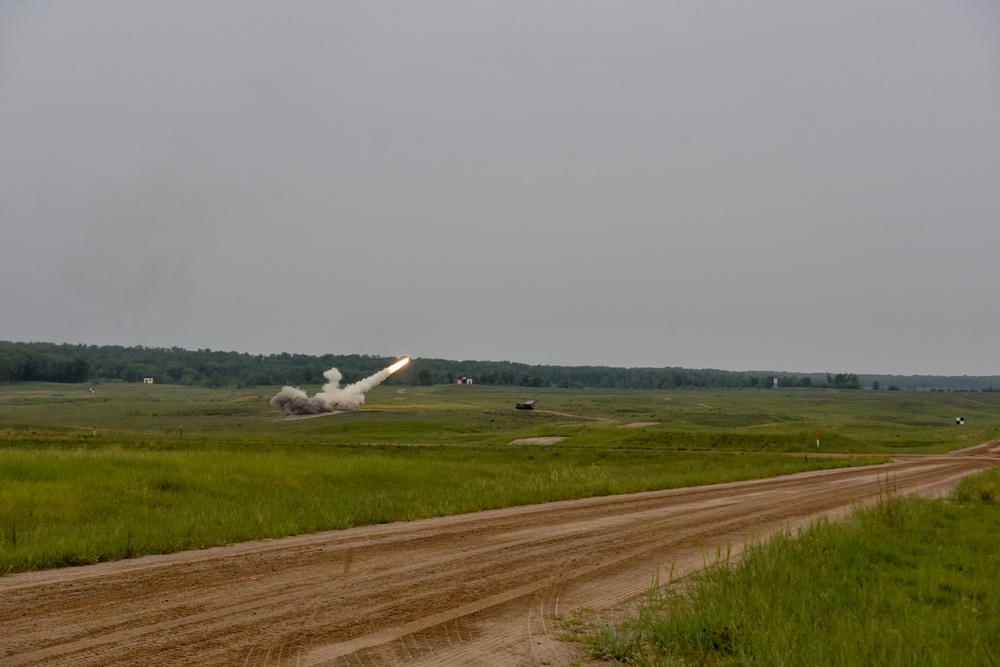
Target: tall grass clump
<point>982,488</point>
<point>909,581</point>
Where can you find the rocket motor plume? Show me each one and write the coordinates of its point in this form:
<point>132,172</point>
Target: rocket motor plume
<point>332,397</point>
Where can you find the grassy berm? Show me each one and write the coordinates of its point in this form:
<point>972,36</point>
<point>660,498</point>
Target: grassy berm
<point>908,581</point>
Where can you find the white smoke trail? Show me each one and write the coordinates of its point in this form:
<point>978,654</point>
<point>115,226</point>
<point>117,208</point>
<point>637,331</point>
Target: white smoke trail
<point>333,397</point>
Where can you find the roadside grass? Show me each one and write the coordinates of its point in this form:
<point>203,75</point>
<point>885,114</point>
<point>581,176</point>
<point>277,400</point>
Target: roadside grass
<point>66,506</point>
<point>908,581</point>
<point>171,468</point>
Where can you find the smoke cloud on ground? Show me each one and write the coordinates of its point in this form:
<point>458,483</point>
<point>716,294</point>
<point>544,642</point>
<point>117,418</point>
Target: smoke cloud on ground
<point>332,397</point>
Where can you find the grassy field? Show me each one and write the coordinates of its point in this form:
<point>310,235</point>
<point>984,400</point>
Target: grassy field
<point>136,469</point>
<point>910,581</point>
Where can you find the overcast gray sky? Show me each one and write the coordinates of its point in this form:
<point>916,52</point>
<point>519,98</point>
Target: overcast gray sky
<point>739,185</point>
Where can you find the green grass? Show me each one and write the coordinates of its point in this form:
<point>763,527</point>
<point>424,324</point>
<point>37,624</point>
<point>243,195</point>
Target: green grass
<point>860,421</point>
<point>910,581</point>
<point>173,468</point>
<point>74,506</point>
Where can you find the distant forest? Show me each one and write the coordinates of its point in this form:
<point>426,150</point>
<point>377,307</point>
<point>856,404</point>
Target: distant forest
<point>52,362</point>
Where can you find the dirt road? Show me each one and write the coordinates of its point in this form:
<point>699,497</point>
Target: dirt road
<point>477,589</point>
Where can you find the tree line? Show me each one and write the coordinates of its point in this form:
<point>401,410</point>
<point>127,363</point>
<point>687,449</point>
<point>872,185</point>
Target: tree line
<point>60,362</point>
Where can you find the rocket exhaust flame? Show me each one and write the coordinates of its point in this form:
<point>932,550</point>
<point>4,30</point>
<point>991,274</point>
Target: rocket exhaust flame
<point>333,397</point>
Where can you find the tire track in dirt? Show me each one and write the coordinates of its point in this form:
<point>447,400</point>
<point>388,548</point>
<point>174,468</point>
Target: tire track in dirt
<point>484,588</point>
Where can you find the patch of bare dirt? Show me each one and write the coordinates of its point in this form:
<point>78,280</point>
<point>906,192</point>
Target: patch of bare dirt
<point>638,424</point>
<point>486,588</point>
<point>313,416</point>
<point>567,414</point>
<point>546,440</point>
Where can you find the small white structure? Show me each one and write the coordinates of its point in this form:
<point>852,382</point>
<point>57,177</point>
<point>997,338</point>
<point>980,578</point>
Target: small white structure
<point>147,380</point>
